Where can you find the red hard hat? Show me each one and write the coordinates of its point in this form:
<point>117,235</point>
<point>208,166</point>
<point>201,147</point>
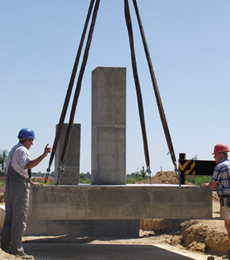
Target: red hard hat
<point>221,148</point>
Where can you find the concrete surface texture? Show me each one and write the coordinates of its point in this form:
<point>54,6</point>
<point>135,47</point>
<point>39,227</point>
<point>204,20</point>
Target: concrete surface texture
<point>105,251</point>
<point>84,228</point>
<point>108,126</point>
<point>108,208</point>
<point>91,202</point>
<point>72,163</point>
<point>108,164</point>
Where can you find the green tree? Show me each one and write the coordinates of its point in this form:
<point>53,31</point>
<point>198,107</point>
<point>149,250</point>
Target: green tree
<point>194,158</point>
<point>84,179</point>
<point>3,159</point>
<point>142,172</point>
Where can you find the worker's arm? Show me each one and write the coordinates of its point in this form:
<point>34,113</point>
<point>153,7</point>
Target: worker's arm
<point>211,185</point>
<point>36,161</point>
<point>35,183</point>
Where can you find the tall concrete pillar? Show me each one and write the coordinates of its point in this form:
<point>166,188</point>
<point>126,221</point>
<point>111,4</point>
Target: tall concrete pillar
<point>108,126</point>
<point>108,158</point>
<point>72,163</point>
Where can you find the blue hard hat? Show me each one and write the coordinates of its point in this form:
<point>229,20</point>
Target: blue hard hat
<point>26,133</point>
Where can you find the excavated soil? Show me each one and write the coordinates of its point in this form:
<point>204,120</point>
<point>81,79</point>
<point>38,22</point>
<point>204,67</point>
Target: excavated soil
<point>204,236</point>
<point>201,236</point>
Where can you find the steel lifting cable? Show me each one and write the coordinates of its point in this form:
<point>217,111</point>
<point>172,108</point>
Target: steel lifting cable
<point>156,90</point>
<point>78,89</point>
<point>137,84</point>
<point>69,91</point>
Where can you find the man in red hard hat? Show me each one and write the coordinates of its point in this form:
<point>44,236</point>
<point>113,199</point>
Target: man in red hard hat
<point>221,183</point>
<point>18,184</point>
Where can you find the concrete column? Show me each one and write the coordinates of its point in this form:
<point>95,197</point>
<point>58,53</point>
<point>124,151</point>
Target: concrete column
<point>108,126</point>
<point>72,163</point>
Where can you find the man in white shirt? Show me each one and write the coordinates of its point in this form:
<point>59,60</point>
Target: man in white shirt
<point>18,173</point>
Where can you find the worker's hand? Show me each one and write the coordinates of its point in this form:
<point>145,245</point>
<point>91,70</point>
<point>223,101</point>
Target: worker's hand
<point>47,150</point>
<point>211,185</point>
<point>204,184</point>
<point>35,183</point>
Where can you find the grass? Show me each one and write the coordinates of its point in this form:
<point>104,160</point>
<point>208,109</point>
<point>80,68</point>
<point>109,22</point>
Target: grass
<point>84,179</point>
<point>42,179</point>
<point>131,179</point>
<point>2,183</point>
<point>135,178</point>
<point>198,180</point>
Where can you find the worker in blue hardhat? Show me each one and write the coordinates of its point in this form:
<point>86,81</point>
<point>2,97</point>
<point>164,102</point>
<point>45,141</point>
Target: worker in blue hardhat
<point>18,182</point>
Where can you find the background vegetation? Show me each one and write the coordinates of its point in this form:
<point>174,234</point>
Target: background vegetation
<point>3,159</point>
<point>139,175</point>
<point>198,180</point>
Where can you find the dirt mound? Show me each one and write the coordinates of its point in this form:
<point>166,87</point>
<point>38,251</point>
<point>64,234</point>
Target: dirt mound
<point>4,256</point>
<point>194,235</point>
<point>206,236</point>
<point>168,177</point>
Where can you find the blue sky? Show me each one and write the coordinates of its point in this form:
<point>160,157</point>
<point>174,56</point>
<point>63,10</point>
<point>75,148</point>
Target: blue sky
<point>189,46</point>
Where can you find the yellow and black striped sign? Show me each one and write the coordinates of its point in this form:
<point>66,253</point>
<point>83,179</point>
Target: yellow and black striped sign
<point>187,167</point>
<point>196,167</point>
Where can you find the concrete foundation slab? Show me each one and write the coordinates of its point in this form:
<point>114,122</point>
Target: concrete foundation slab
<point>89,202</point>
<point>84,228</point>
<point>106,251</point>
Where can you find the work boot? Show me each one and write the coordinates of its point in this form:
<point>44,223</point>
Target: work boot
<point>227,256</point>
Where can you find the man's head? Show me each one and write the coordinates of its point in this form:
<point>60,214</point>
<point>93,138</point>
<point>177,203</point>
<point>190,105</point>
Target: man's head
<point>220,152</point>
<point>26,137</point>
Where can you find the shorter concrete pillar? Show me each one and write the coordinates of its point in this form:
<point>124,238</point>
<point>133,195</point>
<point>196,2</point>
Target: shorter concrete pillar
<point>72,163</point>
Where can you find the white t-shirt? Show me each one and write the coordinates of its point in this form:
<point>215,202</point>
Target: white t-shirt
<point>19,156</point>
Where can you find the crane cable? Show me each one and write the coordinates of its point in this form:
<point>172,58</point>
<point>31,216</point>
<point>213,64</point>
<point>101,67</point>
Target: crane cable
<point>137,84</point>
<point>157,93</point>
<point>69,91</point>
<point>78,89</point>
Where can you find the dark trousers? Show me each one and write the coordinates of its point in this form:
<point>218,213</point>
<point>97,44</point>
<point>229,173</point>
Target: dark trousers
<point>16,208</point>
